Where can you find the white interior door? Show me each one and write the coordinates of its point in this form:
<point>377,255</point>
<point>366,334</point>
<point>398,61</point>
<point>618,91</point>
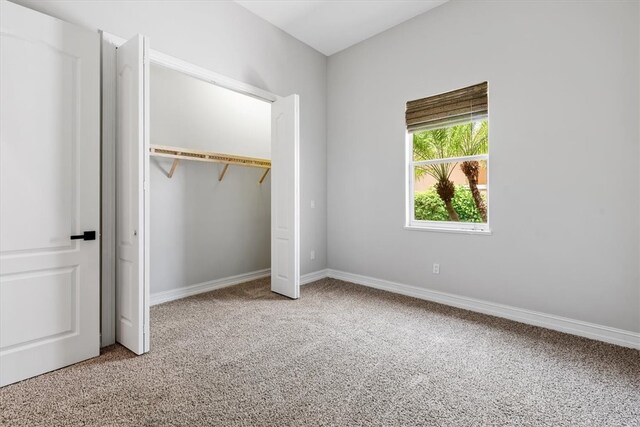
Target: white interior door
<point>132,166</point>
<point>285,197</point>
<point>49,191</point>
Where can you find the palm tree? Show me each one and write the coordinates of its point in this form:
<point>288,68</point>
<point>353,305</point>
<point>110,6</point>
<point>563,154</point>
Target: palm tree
<point>471,139</point>
<point>437,144</point>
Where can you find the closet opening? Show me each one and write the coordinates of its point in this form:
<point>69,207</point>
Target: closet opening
<point>201,186</point>
<point>210,186</point>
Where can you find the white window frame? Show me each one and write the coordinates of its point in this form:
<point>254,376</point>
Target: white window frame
<point>443,226</point>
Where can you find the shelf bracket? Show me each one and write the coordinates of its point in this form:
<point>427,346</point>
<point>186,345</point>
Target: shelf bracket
<point>173,167</point>
<point>223,172</point>
<point>264,175</point>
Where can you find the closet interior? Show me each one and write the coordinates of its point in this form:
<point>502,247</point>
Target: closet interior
<point>210,192</point>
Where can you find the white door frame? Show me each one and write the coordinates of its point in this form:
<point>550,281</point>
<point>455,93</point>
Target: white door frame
<point>109,43</point>
<point>198,72</point>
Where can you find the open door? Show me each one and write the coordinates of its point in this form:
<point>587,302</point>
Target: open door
<point>132,199</point>
<point>49,193</point>
<point>285,197</point>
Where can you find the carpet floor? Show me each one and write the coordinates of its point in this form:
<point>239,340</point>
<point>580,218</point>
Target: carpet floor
<point>340,355</point>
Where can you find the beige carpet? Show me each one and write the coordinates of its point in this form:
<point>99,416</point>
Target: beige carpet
<point>340,355</point>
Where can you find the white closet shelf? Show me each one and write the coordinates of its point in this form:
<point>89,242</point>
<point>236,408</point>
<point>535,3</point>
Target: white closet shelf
<point>178,153</point>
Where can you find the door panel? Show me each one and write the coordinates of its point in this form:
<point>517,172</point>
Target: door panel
<point>54,186</point>
<point>132,147</point>
<point>51,293</point>
<point>285,206</point>
<point>49,190</point>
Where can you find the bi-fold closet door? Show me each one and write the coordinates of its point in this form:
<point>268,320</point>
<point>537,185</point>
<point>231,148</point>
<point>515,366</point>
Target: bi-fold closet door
<point>132,195</point>
<point>285,196</point>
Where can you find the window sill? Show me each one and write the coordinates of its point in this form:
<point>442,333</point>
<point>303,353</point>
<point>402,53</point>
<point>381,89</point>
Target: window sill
<point>484,232</point>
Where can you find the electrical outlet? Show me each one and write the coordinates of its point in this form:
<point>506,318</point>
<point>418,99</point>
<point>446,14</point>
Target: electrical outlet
<point>313,255</point>
<point>436,268</point>
<point>313,204</point>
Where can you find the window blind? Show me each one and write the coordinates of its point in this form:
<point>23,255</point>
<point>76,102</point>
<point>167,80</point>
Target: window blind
<point>447,109</point>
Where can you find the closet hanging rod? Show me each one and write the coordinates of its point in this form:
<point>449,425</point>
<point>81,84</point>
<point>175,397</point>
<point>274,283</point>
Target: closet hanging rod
<point>207,156</point>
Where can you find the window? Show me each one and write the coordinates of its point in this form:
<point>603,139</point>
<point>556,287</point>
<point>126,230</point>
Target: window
<point>447,161</point>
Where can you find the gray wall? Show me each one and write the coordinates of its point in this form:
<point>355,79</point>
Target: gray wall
<point>191,113</point>
<point>203,229</point>
<point>226,38</point>
<point>564,108</point>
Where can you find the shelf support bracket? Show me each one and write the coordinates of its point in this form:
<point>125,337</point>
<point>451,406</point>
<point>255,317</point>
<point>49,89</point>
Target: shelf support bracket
<point>264,175</point>
<point>173,167</point>
<point>226,166</point>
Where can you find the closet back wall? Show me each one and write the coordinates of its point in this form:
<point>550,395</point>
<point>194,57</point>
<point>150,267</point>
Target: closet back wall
<point>203,229</point>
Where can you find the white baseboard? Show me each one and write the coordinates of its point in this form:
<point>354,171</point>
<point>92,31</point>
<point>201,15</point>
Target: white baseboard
<point>549,321</point>
<point>174,294</point>
<point>312,277</point>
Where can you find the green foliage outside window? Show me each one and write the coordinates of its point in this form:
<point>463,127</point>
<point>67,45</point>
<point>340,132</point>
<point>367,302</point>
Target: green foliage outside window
<point>430,207</point>
<point>468,139</point>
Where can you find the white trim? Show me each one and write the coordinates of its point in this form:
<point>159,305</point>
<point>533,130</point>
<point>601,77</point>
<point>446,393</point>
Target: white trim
<point>450,160</point>
<point>570,326</point>
<point>187,291</point>
<point>146,182</point>
<point>449,226</point>
<point>431,226</point>
<point>410,192</point>
<point>185,67</point>
<point>211,77</point>
<point>305,279</point>
<point>113,39</point>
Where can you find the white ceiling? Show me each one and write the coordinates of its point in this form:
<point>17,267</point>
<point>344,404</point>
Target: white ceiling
<point>330,26</point>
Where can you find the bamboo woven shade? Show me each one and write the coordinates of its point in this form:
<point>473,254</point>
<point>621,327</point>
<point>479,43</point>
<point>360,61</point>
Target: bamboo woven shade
<point>458,106</point>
